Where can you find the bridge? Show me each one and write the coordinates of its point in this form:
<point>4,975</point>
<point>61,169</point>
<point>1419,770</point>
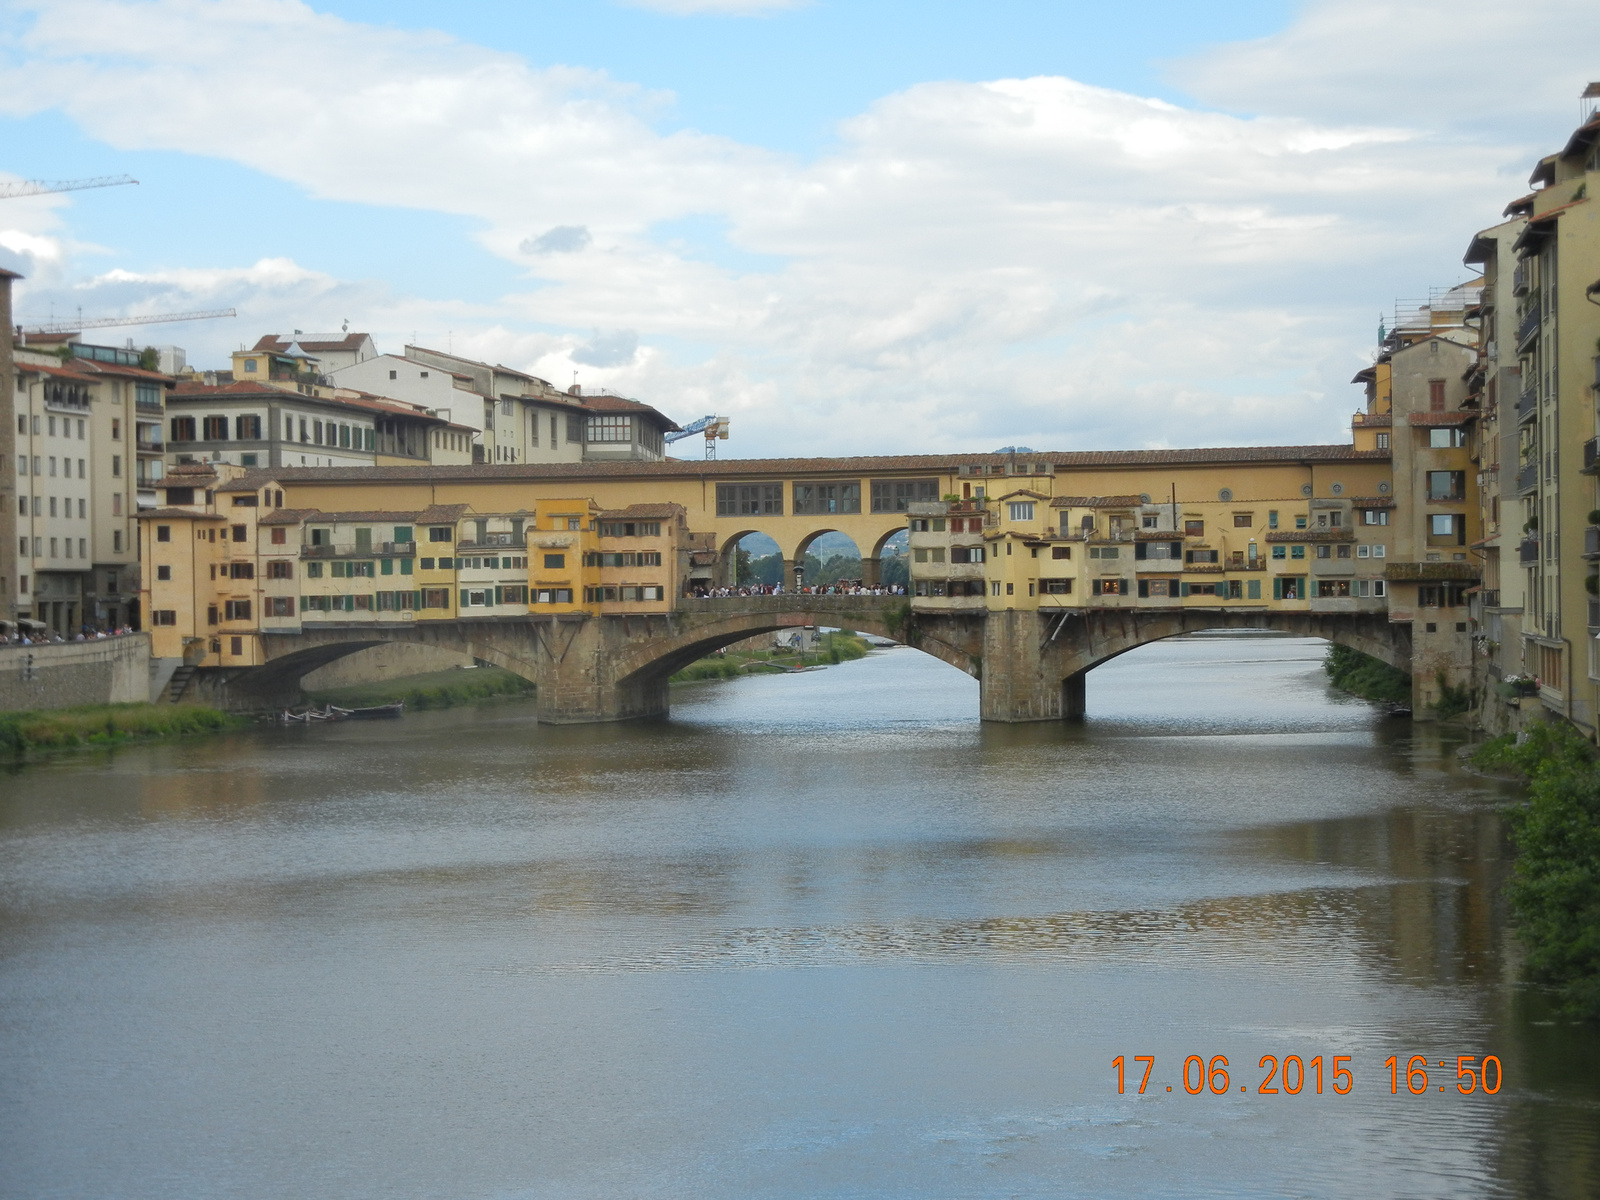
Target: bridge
<point>1030,665</point>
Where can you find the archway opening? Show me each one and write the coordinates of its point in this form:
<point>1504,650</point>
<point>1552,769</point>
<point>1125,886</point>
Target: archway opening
<point>894,560</point>
<point>828,557</point>
<point>752,559</point>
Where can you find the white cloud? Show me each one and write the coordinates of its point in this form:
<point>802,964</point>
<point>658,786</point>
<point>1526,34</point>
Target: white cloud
<point>1023,260</point>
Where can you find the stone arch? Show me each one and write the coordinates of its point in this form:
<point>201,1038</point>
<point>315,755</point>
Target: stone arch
<point>1107,634</point>
<point>649,664</point>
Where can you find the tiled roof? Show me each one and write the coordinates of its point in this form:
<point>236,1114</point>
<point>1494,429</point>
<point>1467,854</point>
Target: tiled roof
<point>365,401</point>
<point>1032,495</point>
<point>1372,501</point>
<point>619,404</point>
<point>197,470</point>
<point>644,512</point>
<point>122,372</point>
<point>1097,502</point>
<point>275,344</point>
<point>1312,535</point>
<point>150,514</point>
<point>1441,418</point>
<point>58,372</point>
<point>1409,572</point>
<point>287,516</point>
<point>441,514</point>
<point>1373,420</point>
<point>767,468</point>
<point>375,515</point>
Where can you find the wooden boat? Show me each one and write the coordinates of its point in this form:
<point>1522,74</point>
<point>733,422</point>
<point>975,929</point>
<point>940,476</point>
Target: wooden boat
<point>376,713</point>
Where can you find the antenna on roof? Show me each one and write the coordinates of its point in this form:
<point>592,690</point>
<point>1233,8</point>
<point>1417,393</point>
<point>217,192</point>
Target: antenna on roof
<point>345,328</point>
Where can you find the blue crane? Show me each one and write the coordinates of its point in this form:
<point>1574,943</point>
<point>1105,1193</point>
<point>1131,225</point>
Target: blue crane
<point>712,427</point>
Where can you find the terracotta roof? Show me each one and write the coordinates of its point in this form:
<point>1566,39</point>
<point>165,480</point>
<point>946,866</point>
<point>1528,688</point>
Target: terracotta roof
<point>5,274</point>
<point>1312,535</point>
<point>105,368</point>
<point>286,516</point>
<point>375,515</point>
<point>1373,420</point>
<point>441,514</point>
<point>1441,418</point>
<point>150,514</point>
<point>1032,495</point>
<point>59,372</point>
<point>272,343</point>
<point>765,468</point>
<point>644,512</point>
<point>1407,572</point>
<point>1520,207</point>
<point>251,482</point>
<point>1097,502</point>
<point>1372,501</point>
<point>196,469</point>
<point>371,403</point>
<point>619,404</point>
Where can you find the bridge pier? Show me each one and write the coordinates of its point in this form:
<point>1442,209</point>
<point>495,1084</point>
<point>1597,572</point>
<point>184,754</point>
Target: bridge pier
<point>1019,681</point>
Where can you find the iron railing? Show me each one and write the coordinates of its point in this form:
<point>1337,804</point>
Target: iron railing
<point>1528,478</point>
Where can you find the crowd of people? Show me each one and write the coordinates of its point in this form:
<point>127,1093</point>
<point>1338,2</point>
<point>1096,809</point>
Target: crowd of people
<point>844,587</point>
<point>49,637</point>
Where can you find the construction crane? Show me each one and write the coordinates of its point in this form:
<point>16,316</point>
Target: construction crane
<point>44,187</point>
<point>712,427</point>
<point>108,322</point>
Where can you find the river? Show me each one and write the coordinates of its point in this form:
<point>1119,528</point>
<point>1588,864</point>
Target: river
<point>816,935</point>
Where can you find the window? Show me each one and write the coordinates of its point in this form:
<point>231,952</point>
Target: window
<point>1108,587</point>
<point>163,533</point>
<point>1055,587</point>
<point>164,574</point>
<point>247,428</point>
<point>250,501</point>
<point>1447,528</point>
<point>164,616</point>
<point>394,374</point>
<point>1060,552</point>
<point>610,428</point>
<point>280,569</point>
<point>1375,516</point>
<point>1436,395</point>
<point>1288,587</point>
<point>1280,552</point>
<point>1297,551</point>
<point>1103,551</point>
<point>1021,510</point>
<point>239,532</point>
<point>1158,550</point>
<point>280,606</point>
<point>236,610</point>
<point>313,570</point>
<point>574,428</point>
<point>555,562</point>
<point>1446,439</point>
<point>1243,520</point>
<point>1300,521</point>
<point>1324,551</point>
<point>1383,441</point>
<point>818,498</point>
<point>617,529</point>
<point>241,570</point>
<point>1194,529</point>
<point>181,429</point>
<point>1149,521</point>
<point>1378,551</point>
<point>215,429</point>
<point>966,554</point>
<point>896,495</point>
<point>1200,556</point>
<point>1447,485</point>
<point>1159,588</point>
<point>435,597</point>
<point>753,500</point>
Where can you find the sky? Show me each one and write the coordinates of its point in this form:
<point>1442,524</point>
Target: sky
<point>852,227</point>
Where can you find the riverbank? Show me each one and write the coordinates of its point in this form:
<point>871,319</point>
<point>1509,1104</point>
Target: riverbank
<point>840,646</point>
<point>24,733</point>
<point>1365,677</point>
<point>434,689</point>
<point>1554,888</point>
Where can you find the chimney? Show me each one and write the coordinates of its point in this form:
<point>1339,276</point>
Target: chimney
<point>575,390</point>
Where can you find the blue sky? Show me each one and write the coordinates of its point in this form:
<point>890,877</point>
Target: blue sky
<point>854,227</point>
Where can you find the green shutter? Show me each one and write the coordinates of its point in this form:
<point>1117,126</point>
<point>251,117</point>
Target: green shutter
<point>405,566</point>
<point>498,595</point>
<point>388,565</point>
<point>1183,589</point>
<point>1254,590</point>
<point>403,533</point>
<point>463,597</point>
<point>1277,587</point>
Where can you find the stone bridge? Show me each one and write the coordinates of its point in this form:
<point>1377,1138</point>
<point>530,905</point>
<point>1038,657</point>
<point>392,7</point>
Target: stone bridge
<point>1030,666</point>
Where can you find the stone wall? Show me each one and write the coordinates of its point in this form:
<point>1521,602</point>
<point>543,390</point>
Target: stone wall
<point>379,663</point>
<point>64,675</point>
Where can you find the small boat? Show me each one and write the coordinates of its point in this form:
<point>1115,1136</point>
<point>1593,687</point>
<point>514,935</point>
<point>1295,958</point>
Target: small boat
<point>376,713</point>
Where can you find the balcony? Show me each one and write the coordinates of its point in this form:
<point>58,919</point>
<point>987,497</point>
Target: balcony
<point>495,540</point>
<point>1528,551</point>
<point>1594,616</point>
<point>151,407</point>
<point>1489,598</point>
<point>402,548</point>
<point>1528,478</point>
<point>146,446</point>
<point>1591,541</point>
<point>376,550</point>
<point>1528,327</point>
<point>1519,279</point>
<point>1591,452</point>
<point>1527,405</point>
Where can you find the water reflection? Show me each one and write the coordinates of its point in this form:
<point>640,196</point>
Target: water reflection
<point>823,934</point>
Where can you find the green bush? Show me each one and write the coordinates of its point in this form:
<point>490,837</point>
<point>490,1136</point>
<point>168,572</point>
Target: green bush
<point>437,689</point>
<point>1362,675</point>
<point>1554,890</point>
<point>107,725</point>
